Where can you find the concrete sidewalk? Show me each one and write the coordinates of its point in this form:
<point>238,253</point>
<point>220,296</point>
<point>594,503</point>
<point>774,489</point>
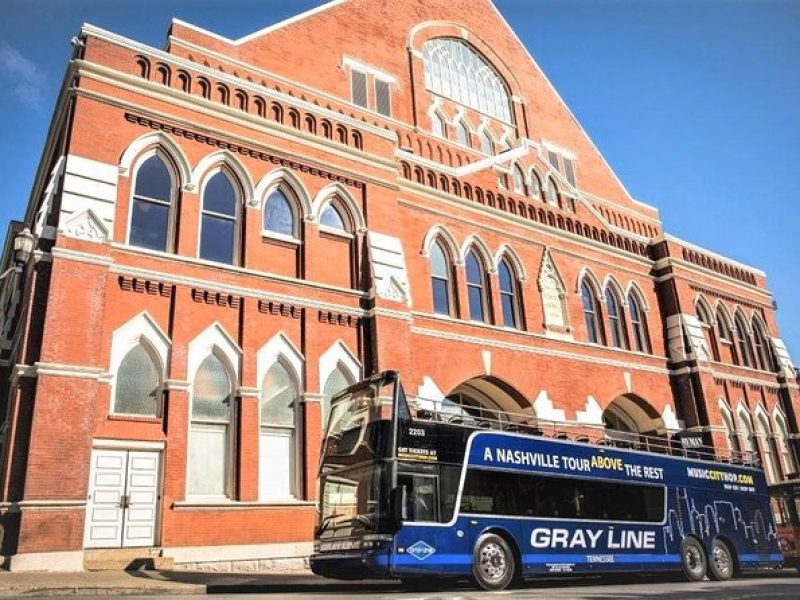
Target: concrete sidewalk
<point>101,583</point>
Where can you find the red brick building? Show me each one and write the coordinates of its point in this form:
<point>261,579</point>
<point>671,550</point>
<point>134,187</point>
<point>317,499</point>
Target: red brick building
<point>229,231</point>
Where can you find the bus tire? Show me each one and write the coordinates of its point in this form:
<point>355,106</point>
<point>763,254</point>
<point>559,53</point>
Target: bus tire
<point>693,559</point>
<point>721,562</point>
<point>493,563</point>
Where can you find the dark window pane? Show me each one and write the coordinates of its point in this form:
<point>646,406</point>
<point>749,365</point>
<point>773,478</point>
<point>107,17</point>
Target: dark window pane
<point>509,310</point>
<point>441,301</point>
<point>217,239</point>
<point>474,270</point>
<point>219,195</point>
<point>153,180</point>
<point>149,225</point>
<point>278,215</point>
<point>439,266</point>
<point>475,303</point>
<point>331,218</point>
<point>506,280</point>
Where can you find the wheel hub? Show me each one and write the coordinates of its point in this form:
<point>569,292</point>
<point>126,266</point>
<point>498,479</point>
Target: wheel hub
<point>493,562</point>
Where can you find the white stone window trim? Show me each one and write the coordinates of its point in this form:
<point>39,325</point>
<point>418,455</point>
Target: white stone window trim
<point>295,192</point>
<point>781,432</point>
<point>346,202</point>
<point>280,350</point>
<point>141,329</point>
<point>352,63</point>
<point>213,340</point>
<point>338,355</point>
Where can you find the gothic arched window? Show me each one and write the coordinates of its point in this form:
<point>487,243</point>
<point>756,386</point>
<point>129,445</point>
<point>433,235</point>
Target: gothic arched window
<point>441,280</point>
<point>278,443</point>
<point>151,206</point>
<point>476,288</point>
<point>641,337</point>
<point>138,386</point>
<point>279,217</point>
<point>220,220</point>
<point>509,295</point>
<point>616,321</point>
<point>591,315</point>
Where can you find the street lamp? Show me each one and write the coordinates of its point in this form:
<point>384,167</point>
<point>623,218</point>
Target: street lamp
<point>24,243</point>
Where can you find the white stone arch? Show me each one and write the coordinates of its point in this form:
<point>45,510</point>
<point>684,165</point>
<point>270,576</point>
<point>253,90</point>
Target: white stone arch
<point>588,275</point>
<point>214,340</point>
<point>352,209</point>
<point>756,321</point>
<point>611,283</point>
<point>506,251</point>
<point>223,158</point>
<point>532,173</point>
<point>781,429</point>
<point>338,356</point>
<point>764,434</point>
<point>485,130</point>
<point>280,349</point>
<point>288,181</point>
<point>440,232</point>
<point>739,314</point>
<point>701,300</point>
<point>746,425</point>
<point>633,289</point>
<point>164,143</point>
<point>140,330</point>
<point>475,241</point>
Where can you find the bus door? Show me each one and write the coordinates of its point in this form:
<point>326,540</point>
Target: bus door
<point>422,496</point>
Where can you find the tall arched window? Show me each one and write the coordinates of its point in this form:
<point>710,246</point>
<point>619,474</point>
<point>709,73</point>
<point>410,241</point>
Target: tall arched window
<point>743,341</point>
<point>730,434</point>
<point>441,280</point>
<point>332,218</point>
<point>462,133</point>
<point>750,448</point>
<point>553,197</point>
<point>708,330</point>
<point>765,440</point>
<point>616,321</point>
<point>518,180</point>
<point>151,206</point>
<point>536,187</point>
<point>278,441</point>
<point>487,145</point>
<point>219,226</point>
<point>782,439</point>
<point>476,288</point>
<point>641,337</point>
<point>763,353</point>
<point>725,336</point>
<point>334,383</point>
<point>509,295</point>
<point>210,439</point>
<point>138,385</point>
<point>591,315</point>
<point>438,125</point>
<point>279,217</point>
<point>454,69</point>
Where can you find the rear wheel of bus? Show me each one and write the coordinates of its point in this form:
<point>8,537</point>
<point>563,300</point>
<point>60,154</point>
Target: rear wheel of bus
<point>493,562</point>
<point>693,559</point>
<point>721,562</point>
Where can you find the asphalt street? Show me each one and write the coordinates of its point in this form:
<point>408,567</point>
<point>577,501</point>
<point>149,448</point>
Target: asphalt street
<point>771,586</point>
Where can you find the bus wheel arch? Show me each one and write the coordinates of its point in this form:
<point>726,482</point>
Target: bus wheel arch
<point>694,558</point>
<point>723,561</point>
<point>496,540</point>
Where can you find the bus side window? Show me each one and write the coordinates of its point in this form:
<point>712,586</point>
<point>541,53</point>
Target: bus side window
<point>422,497</point>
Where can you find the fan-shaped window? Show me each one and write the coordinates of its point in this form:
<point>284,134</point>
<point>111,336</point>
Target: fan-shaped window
<point>219,225</point>
<point>591,315</point>
<point>332,218</point>
<point>476,288</point>
<point>278,214</point>
<point>438,125</point>
<point>441,280</point>
<point>509,295</point>
<point>151,206</point>
<point>277,443</point>
<point>209,443</point>
<point>616,321</point>
<point>138,384</point>
<point>743,341</point>
<point>641,337</point>
<point>335,383</point>
<point>453,69</point>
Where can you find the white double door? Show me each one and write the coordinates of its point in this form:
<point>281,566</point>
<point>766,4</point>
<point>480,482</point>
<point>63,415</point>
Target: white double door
<point>122,508</point>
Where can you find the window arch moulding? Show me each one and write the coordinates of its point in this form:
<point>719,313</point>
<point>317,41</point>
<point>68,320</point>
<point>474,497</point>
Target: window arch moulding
<point>166,144</point>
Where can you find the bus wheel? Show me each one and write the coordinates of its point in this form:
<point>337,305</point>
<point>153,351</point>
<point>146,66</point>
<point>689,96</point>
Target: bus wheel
<point>693,560</point>
<point>493,563</point>
<point>721,566</point>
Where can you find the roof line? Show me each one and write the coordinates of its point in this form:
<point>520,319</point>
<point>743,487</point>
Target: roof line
<point>264,30</point>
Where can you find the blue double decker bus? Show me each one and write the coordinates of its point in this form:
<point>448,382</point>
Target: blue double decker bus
<point>414,492</point>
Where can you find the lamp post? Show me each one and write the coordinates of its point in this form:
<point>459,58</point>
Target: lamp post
<point>24,242</point>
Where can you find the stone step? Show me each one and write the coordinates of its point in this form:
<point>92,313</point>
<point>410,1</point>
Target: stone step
<point>125,559</point>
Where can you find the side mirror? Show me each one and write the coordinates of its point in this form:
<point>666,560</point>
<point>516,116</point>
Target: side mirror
<point>398,502</point>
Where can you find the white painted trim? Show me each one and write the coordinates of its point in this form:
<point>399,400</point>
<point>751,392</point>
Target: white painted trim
<point>474,240</point>
<point>338,355</point>
<point>212,163</point>
<point>167,145</point>
<point>440,232</point>
<point>56,562</point>
<point>280,349</point>
<point>83,257</point>
<point>353,63</point>
<point>192,554</point>
<point>284,178</point>
<point>114,444</point>
<point>337,190</point>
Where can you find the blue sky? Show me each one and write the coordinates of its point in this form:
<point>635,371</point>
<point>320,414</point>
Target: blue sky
<point>695,104</point>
